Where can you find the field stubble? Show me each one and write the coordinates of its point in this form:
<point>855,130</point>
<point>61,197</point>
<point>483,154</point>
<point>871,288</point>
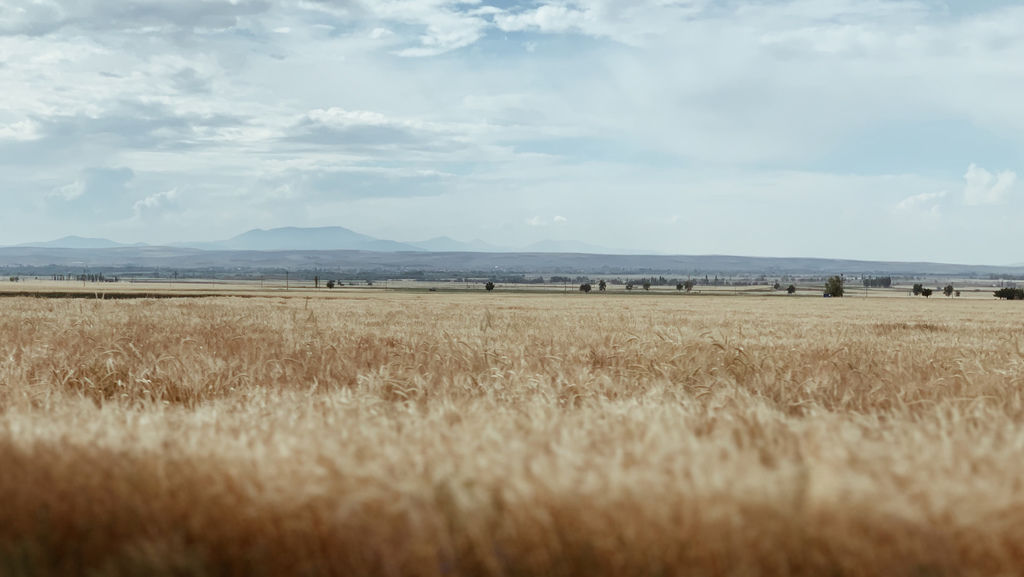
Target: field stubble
<point>511,435</point>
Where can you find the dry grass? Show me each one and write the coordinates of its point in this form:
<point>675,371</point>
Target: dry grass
<point>505,435</point>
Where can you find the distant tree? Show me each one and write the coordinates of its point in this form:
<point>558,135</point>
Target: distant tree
<point>489,286</point>
<point>926,292</point>
<point>629,286</point>
<point>918,289</point>
<point>948,291</point>
<point>316,281</point>
<point>776,286</point>
<point>679,286</point>
<point>957,294</point>
<point>602,286</point>
<point>688,285</point>
<point>585,287</point>
<point>647,285</point>
<point>834,286</point>
<point>1011,294</point>
<point>330,284</point>
<point>879,282</point>
<point>791,289</point>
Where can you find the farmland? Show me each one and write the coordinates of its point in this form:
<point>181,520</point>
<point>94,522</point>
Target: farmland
<point>463,433</point>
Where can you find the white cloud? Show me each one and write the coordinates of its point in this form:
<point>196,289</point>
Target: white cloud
<point>923,201</point>
<point>535,221</point>
<point>626,21</point>
<point>22,131</point>
<point>983,187</point>
<point>69,191</point>
<point>560,220</point>
<point>155,203</point>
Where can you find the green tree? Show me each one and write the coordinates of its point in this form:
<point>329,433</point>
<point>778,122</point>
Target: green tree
<point>791,289</point>
<point>330,284</point>
<point>489,286</point>
<point>948,291</point>
<point>1012,294</point>
<point>834,286</point>
<point>679,286</point>
<point>602,286</point>
<point>585,287</point>
<point>918,289</point>
<point>926,292</point>
<point>688,285</point>
<point>647,285</point>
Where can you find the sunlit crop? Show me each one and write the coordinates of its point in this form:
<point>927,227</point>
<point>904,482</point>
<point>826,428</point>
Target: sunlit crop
<point>511,435</point>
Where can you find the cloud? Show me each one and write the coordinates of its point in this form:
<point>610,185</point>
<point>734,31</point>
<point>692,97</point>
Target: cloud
<point>96,192</point>
<point>365,131</point>
<point>917,202</point>
<point>23,130</point>
<point>190,80</point>
<point>155,203</point>
<point>538,221</point>
<point>133,124</point>
<point>35,18</point>
<point>982,187</point>
<point>314,185</point>
<point>626,21</point>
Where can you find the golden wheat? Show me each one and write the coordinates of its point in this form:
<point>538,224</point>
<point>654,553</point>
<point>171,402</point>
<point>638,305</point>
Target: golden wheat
<point>506,435</point>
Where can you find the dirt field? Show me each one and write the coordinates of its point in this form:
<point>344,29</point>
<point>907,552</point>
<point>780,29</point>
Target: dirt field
<point>440,434</point>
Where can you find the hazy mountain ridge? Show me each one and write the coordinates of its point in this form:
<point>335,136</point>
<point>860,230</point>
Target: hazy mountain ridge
<point>77,242</point>
<point>337,238</point>
<point>340,248</point>
<point>183,258</point>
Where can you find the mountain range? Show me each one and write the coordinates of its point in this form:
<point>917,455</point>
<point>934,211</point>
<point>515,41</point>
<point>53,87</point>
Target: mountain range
<point>336,238</point>
<point>338,248</point>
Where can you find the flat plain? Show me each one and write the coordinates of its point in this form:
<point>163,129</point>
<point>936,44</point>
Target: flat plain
<point>503,434</point>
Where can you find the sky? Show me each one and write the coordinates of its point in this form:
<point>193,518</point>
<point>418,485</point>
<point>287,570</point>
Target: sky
<point>867,129</point>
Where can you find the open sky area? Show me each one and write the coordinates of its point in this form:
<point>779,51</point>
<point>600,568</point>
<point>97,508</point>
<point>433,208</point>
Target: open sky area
<point>869,129</point>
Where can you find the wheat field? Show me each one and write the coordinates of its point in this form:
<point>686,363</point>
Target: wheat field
<point>511,435</point>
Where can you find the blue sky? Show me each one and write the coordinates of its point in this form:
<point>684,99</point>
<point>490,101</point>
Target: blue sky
<point>835,128</point>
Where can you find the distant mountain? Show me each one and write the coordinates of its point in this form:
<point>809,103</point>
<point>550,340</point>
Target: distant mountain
<point>398,263</point>
<point>296,238</point>
<point>571,246</point>
<point>76,242</point>
<point>448,244</point>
